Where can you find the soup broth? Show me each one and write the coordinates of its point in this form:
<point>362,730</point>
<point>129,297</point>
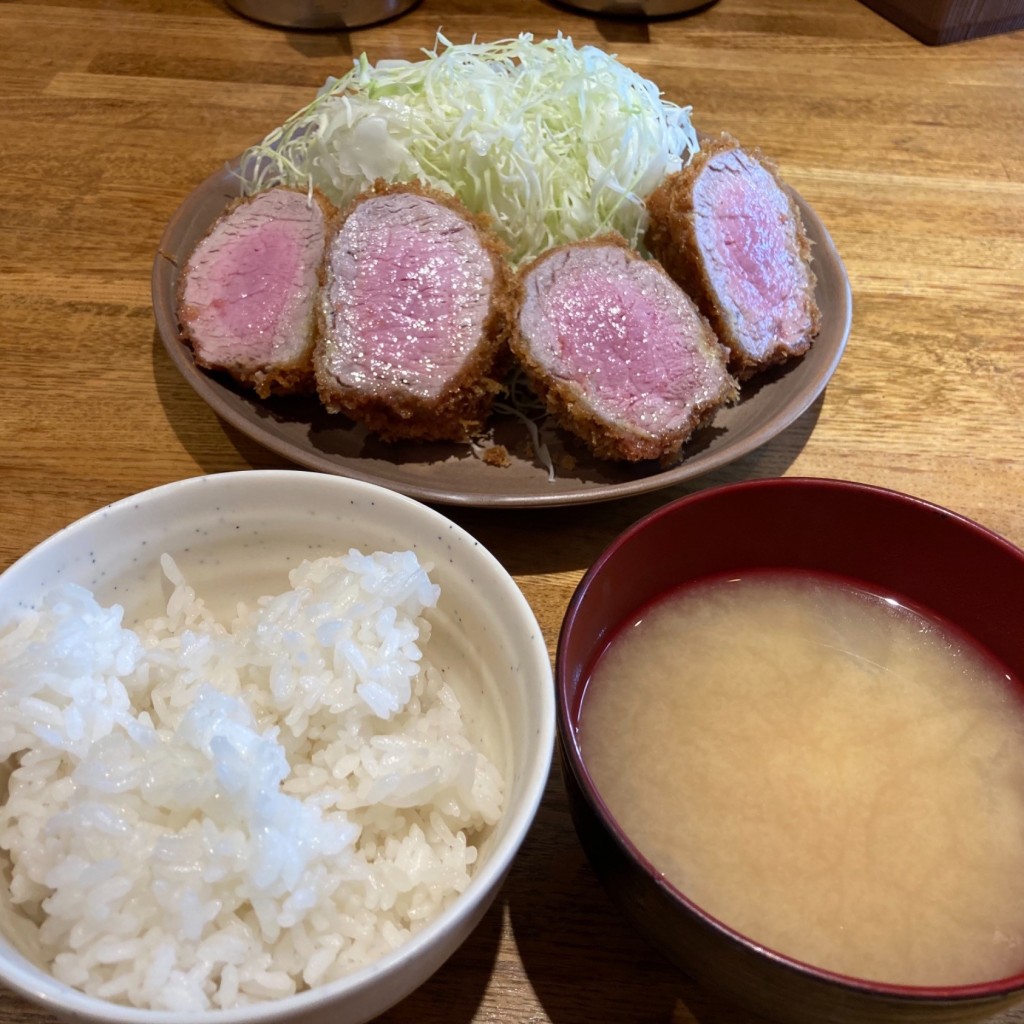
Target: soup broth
<point>823,770</point>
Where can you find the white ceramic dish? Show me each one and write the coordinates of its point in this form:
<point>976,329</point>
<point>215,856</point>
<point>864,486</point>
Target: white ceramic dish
<point>245,530</point>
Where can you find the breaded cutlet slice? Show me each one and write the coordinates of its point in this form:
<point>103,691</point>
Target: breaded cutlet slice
<point>731,235</point>
<point>415,315</point>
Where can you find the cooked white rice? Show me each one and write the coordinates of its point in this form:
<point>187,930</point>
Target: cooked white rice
<point>204,815</point>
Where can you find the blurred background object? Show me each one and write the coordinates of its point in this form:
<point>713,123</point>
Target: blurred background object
<point>322,14</point>
<point>951,21</point>
<point>640,8</point>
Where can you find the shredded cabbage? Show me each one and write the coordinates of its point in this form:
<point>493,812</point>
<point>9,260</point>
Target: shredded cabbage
<point>554,143</point>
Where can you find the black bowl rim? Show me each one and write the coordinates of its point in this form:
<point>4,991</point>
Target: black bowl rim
<point>989,990</point>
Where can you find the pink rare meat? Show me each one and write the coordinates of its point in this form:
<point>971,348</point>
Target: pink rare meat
<point>620,354</point>
<point>247,296</point>
<point>731,235</point>
<point>414,316</point>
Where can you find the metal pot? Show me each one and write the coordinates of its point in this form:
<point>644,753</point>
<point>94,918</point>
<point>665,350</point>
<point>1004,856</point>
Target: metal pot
<point>321,14</point>
<point>637,8</point>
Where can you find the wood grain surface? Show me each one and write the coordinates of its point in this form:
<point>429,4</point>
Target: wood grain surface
<point>114,110</point>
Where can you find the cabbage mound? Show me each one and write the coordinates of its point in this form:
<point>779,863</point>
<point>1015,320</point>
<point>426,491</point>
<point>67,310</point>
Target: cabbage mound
<point>554,143</point>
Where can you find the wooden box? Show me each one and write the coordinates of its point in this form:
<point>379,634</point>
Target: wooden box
<point>950,21</point>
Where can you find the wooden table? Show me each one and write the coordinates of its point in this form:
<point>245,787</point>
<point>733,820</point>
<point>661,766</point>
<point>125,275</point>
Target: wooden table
<point>114,110</point>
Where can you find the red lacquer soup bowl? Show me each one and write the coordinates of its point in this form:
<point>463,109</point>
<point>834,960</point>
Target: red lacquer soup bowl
<point>890,543</point>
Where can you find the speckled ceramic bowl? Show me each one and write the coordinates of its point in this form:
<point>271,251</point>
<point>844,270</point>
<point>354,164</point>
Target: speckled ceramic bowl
<point>888,542</point>
<point>238,534</point>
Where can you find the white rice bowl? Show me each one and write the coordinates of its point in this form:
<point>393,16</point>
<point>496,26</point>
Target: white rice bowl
<point>195,878</point>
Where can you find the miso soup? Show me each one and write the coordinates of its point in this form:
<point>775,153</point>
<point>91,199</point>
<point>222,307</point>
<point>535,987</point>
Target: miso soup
<point>824,770</point>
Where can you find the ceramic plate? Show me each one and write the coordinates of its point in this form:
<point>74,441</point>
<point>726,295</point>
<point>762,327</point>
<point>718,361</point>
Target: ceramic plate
<point>300,429</point>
